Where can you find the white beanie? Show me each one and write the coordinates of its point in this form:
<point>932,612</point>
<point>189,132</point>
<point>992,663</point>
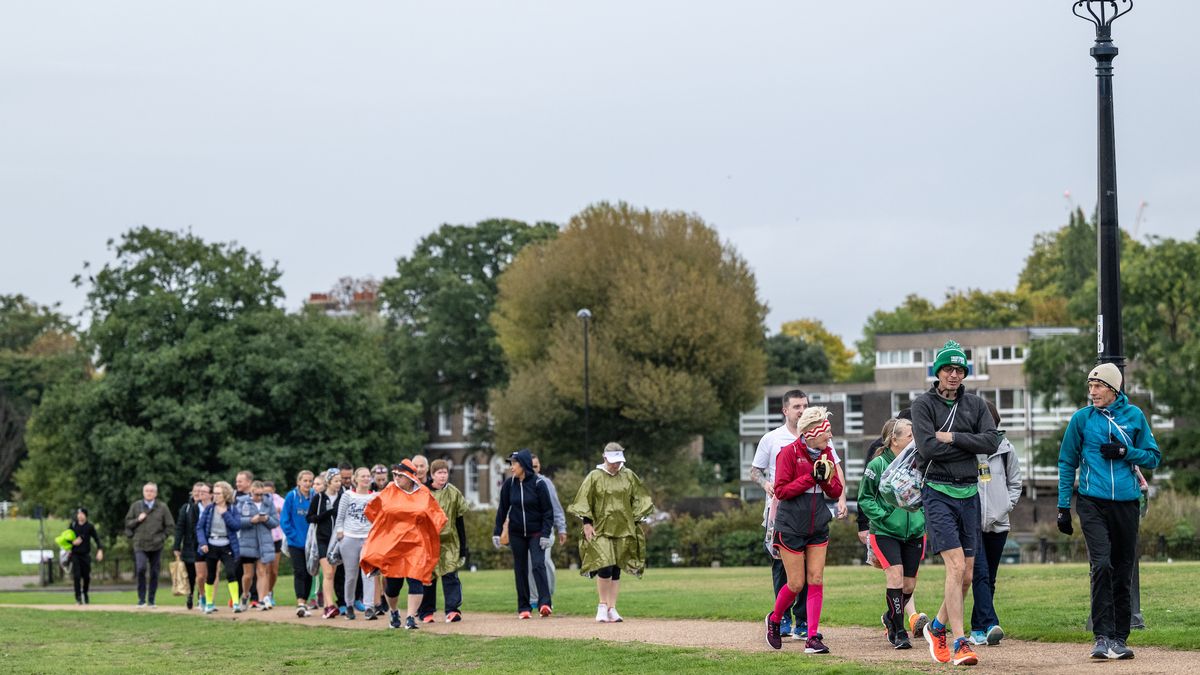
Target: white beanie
<point>1108,374</point>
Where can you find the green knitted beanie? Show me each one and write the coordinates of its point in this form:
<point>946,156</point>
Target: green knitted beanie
<point>951,354</point>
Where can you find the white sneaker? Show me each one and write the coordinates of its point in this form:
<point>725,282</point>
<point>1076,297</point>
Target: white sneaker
<point>613,617</point>
<point>602,613</point>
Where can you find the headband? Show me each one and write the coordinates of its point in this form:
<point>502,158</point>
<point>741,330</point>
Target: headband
<point>817,429</point>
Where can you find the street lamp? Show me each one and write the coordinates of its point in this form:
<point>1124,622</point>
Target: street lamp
<point>586,315</point>
<point>1110,344</point>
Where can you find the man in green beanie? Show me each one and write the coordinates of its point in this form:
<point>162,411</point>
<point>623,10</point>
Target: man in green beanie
<point>951,427</point>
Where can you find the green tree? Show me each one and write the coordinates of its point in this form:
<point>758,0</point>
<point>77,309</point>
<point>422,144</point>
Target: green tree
<point>38,350</point>
<point>204,375</point>
<point>837,356</point>
<point>792,360</point>
<point>676,338</point>
<point>438,306</point>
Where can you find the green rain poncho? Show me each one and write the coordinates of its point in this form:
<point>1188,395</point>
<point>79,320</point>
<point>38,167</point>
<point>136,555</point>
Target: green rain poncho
<point>614,504</point>
<point>66,540</point>
<point>454,505</point>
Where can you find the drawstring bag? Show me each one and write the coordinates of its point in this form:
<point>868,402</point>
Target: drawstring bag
<point>901,482</point>
<point>312,560</point>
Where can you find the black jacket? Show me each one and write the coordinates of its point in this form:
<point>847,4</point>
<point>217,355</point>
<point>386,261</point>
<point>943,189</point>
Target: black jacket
<point>185,531</point>
<point>526,503</point>
<point>321,510</point>
<point>974,434</point>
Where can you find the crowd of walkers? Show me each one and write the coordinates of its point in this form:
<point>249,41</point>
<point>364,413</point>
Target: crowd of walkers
<point>970,480</point>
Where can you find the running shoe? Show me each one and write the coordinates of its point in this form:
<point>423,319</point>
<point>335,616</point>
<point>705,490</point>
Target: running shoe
<point>189,602</point>
<point>938,649</point>
<point>613,617</point>
<point>525,614</point>
<point>545,611</point>
<point>349,613</point>
<point>209,609</point>
<point>602,613</point>
<point>453,617</point>
<point>152,606</point>
<point>1118,650</point>
<point>785,626</point>
<point>410,623</point>
<point>994,635</point>
<point>239,608</point>
<point>264,607</point>
<point>902,641</point>
<point>395,622</point>
<point>978,637</point>
<point>773,638</point>
<point>330,612</point>
<point>891,630</point>
<point>963,654</point>
<point>359,606</point>
<point>801,631</point>
<point>302,612</point>
<point>428,619</point>
<point>370,614</point>
<point>342,610</point>
<point>917,623</point>
<point>141,604</point>
<point>253,604</point>
<point>814,645</point>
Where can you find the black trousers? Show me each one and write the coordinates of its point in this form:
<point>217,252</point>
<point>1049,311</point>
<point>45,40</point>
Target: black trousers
<point>1111,532</point>
<point>301,579</point>
<point>81,575</point>
<point>522,561</point>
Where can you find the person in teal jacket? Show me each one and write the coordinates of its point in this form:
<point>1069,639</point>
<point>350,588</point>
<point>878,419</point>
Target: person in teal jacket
<point>1102,445</point>
<point>897,539</point>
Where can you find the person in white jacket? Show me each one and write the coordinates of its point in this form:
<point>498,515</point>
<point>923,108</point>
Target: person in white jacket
<point>997,497</point>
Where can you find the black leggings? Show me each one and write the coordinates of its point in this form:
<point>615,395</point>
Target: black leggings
<point>225,555</point>
<point>394,585</point>
<point>191,574</point>
<point>611,572</point>
<point>81,574</point>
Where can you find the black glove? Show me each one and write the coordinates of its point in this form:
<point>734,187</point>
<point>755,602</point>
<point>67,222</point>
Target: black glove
<point>822,470</point>
<point>1112,451</point>
<point>1064,522</point>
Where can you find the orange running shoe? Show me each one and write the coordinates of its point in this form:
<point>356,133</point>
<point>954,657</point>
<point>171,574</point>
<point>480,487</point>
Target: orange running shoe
<point>524,615</point>
<point>963,654</point>
<point>917,623</point>
<point>938,648</point>
<point>545,610</point>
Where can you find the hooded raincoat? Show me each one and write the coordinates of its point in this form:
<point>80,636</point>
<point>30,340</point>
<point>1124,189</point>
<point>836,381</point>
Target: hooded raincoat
<point>454,506</point>
<point>614,505</point>
<point>405,534</point>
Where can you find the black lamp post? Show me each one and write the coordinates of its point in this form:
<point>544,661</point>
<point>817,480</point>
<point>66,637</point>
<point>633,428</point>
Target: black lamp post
<point>1110,343</point>
<point>586,315</point>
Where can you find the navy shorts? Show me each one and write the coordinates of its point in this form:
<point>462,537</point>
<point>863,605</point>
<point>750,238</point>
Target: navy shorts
<point>951,523</point>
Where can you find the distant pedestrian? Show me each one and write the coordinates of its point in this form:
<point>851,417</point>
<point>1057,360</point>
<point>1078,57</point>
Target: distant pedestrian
<point>258,515</point>
<point>81,550</point>
<point>186,545</point>
<point>525,504</point>
<point>379,474</point>
<point>293,520</point>
<point>148,522</point>
<point>352,529</point>
<point>999,491</point>
<point>421,462</point>
<point>217,534</point>
<point>321,512</point>
<point>454,550</point>
<point>803,471</point>
<point>611,502</point>
<point>1104,444</point>
<point>277,537</point>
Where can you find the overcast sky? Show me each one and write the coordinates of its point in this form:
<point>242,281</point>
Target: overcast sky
<point>852,152</point>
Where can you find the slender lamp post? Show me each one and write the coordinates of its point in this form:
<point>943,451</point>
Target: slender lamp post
<point>586,315</point>
<point>1110,343</point>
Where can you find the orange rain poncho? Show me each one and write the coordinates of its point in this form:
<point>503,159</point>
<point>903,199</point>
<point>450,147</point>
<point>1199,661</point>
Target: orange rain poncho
<point>405,534</point>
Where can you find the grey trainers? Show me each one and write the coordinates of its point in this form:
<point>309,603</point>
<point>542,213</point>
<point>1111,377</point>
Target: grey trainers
<point>1118,650</point>
<point>1100,649</point>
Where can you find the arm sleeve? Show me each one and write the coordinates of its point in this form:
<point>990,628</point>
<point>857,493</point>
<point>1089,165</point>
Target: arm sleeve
<point>547,509</point>
<point>925,433</point>
<point>640,498</point>
<point>1068,460</point>
<point>96,536</point>
<point>179,528</point>
<point>762,454</point>
<point>201,534</point>
<point>460,527</point>
<point>1012,471</point>
<point>272,516</point>
<point>341,515</point>
<point>131,520</point>
<point>502,510</point>
<point>869,504</point>
<point>315,504</point>
<point>789,482</point>
<point>581,507</point>
<point>1145,452</point>
<point>560,517</point>
<point>287,515</point>
<point>233,523</point>
<point>983,442</point>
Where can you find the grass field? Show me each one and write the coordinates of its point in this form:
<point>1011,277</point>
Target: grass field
<point>113,642</point>
<point>1035,602</point>
<point>22,533</point>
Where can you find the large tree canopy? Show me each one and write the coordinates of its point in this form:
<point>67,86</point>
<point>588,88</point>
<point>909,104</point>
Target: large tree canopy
<point>204,375</point>
<point>675,347</point>
<point>438,306</point>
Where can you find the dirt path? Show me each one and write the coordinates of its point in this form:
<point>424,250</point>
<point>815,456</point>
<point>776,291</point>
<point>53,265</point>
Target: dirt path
<point>859,644</point>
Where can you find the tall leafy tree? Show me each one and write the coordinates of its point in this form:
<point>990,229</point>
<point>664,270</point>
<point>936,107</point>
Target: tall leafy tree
<point>675,346</point>
<point>38,350</point>
<point>792,360</point>
<point>837,356</point>
<point>438,306</point>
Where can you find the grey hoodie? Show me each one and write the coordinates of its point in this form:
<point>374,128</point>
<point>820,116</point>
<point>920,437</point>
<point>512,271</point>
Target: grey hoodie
<point>999,495</point>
